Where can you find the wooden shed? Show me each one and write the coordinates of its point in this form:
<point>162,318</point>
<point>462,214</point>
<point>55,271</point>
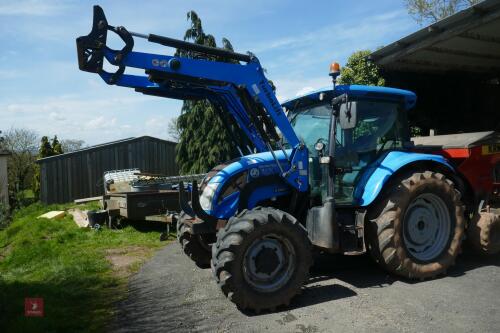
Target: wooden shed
<point>79,174</point>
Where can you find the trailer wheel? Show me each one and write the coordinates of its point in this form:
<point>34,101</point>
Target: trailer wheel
<point>484,233</point>
<point>416,230</point>
<point>261,259</point>
<point>196,247</point>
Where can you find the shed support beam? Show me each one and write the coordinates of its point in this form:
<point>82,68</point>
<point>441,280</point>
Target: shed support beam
<point>479,37</point>
<point>463,53</point>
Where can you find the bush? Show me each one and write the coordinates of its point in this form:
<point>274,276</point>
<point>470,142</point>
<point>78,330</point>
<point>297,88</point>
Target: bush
<point>4,216</point>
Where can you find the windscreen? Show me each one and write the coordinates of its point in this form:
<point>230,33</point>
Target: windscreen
<point>312,124</point>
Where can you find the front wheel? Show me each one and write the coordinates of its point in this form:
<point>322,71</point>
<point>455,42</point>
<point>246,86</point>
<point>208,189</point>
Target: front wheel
<point>416,230</point>
<point>261,259</point>
<point>196,247</point>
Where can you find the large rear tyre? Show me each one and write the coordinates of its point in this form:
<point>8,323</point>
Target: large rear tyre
<point>416,229</point>
<point>484,233</point>
<point>196,247</point>
<point>261,259</point>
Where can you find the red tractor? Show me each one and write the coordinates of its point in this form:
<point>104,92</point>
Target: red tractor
<point>477,158</point>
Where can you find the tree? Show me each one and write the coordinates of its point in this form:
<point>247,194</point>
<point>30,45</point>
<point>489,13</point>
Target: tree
<point>21,143</point>
<point>204,140</point>
<point>2,142</point>
<point>430,11</point>
<point>56,146</point>
<point>173,129</point>
<point>359,70</point>
<point>45,149</point>
<point>71,145</point>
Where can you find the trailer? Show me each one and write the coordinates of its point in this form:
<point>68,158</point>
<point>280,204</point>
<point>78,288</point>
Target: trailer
<point>134,195</point>
<point>476,156</point>
<point>143,206</point>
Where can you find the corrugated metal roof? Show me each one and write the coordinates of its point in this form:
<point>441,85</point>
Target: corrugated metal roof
<point>467,41</point>
<point>102,145</point>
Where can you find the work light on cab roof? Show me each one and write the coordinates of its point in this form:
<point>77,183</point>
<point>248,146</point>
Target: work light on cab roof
<point>334,69</point>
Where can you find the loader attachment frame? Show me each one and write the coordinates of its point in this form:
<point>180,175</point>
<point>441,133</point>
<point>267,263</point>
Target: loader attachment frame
<point>232,81</point>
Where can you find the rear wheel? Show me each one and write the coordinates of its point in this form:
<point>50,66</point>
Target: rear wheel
<point>196,247</point>
<point>261,259</point>
<point>416,230</point>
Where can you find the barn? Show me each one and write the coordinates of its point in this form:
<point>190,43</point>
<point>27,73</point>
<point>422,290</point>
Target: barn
<point>79,174</point>
<point>453,66</point>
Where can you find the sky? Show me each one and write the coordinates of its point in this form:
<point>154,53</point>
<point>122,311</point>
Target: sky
<point>41,87</point>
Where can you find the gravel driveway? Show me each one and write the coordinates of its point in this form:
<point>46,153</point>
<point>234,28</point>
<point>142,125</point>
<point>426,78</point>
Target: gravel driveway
<point>344,294</point>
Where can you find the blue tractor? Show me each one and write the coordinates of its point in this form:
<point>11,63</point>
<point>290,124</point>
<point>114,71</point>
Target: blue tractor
<point>331,171</point>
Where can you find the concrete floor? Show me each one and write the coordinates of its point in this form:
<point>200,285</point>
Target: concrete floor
<point>344,294</point>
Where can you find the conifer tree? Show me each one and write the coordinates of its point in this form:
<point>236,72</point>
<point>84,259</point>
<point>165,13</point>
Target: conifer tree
<point>56,146</point>
<point>204,141</point>
<point>45,149</point>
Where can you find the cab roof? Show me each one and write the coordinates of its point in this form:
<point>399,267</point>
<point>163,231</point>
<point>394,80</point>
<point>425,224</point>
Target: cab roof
<point>384,93</point>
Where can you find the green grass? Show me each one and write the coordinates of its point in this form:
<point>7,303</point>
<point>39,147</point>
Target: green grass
<point>65,265</point>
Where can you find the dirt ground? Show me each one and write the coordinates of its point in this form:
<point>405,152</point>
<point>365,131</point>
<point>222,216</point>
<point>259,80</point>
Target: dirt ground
<point>344,294</point>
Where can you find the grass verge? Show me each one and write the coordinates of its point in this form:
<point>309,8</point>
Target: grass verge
<point>80,273</point>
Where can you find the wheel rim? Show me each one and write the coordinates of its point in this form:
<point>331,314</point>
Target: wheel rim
<point>427,227</point>
<point>269,263</point>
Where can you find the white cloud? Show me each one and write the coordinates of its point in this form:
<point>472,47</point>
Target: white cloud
<point>304,91</point>
<point>364,31</point>
<point>289,87</point>
<point>100,122</point>
<point>32,8</point>
<point>95,119</point>
<point>57,116</point>
<point>158,126</point>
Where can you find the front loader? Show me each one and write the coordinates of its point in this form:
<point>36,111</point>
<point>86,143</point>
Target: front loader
<point>333,171</point>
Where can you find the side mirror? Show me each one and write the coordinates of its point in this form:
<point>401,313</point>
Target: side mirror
<point>348,115</point>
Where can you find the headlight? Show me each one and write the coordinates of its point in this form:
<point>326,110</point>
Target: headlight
<point>207,196</point>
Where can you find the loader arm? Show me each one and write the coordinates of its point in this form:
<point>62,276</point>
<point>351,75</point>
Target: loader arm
<point>239,87</point>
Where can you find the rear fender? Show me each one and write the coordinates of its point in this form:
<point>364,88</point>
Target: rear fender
<point>376,176</point>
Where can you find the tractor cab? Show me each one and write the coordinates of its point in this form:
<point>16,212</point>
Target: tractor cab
<point>379,125</point>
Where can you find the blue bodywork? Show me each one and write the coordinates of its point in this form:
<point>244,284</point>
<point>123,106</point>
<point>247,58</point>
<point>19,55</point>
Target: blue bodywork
<point>376,175</point>
<point>371,182</point>
<point>253,167</point>
<point>384,93</point>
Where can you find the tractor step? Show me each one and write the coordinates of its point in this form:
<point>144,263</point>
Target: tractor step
<point>352,235</point>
